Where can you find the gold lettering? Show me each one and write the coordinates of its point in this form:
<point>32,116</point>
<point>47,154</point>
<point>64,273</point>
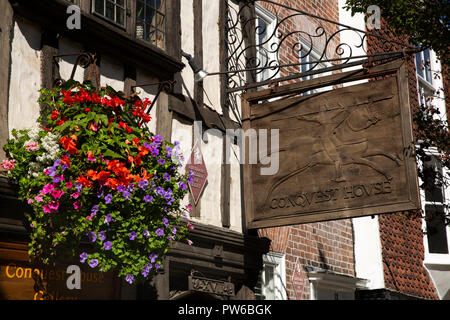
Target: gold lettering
<point>27,273</point>
<point>7,272</point>
<point>21,272</point>
<point>40,292</point>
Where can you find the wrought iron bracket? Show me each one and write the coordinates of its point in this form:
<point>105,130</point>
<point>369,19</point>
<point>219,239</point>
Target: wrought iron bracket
<point>163,86</point>
<point>84,59</point>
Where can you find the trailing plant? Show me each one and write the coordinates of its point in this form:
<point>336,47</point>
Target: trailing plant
<point>94,174</point>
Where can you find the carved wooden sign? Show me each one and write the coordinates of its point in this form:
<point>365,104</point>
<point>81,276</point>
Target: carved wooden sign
<point>223,288</point>
<point>341,155</point>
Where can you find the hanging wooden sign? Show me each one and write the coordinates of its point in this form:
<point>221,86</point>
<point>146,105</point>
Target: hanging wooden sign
<point>341,152</point>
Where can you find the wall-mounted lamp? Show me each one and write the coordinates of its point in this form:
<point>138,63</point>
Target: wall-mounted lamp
<point>199,73</point>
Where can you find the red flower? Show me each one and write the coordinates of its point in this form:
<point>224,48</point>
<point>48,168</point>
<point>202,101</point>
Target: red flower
<point>68,144</point>
<point>55,115</point>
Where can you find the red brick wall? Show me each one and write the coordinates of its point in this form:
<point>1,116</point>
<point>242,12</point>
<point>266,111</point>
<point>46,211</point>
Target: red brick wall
<point>401,235</point>
<point>325,245</point>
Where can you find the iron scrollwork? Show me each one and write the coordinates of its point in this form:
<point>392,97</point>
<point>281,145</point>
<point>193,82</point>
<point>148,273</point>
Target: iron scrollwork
<point>296,42</point>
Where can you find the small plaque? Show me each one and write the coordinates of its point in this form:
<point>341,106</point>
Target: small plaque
<point>197,165</point>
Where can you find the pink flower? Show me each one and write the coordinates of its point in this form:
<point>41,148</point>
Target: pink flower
<point>69,185</point>
<point>189,207</point>
<point>57,194</point>
<point>75,195</point>
<point>77,205</point>
<point>33,146</point>
<point>30,201</point>
<point>8,164</point>
<point>39,198</point>
<point>190,226</point>
<point>190,242</point>
<point>89,218</point>
<point>48,188</point>
<point>51,207</point>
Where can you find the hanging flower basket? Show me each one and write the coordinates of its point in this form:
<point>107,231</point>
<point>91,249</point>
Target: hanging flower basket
<point>94,174</point>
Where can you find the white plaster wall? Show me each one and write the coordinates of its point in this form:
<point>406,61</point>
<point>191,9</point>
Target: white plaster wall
<point>351,37</point>
<point>25,79</point>
<point>211,49</point>
<point>235,190</point>
<point>210,212</point>
<point>111,73</point>
<point>187,45</point>
<point>66,64</point>
<point>149,92</point>
<point>367,247</point>
<point>183,134</point>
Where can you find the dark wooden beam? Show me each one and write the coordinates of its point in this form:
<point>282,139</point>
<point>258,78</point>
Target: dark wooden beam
<point>198,86</point>
<point>6,29</point>
<point>225,170</point>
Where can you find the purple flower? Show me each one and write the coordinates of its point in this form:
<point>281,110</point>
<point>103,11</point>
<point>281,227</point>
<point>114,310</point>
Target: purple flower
<point>167,177</point>
<point>92,236</point>
<point>148,198</point>
<point>102,235</point>
<point>160,191</point>
<point>108,218</point>
<point>169,151</point>
<point>78,186</point>
<point>174,230</point>
<point>181,185</point>
<point>143,184</point>
<point>145,271</point>
<point>129,278</point>
<point>93,263</point>
<point>107,245</point>
<point>159,232</point>
<point>99,193</point>
<point>158,138</point>
<point>51,171</point>
<point>157,266</point>
<point>161,161</point>
<point>153,257</point>
<point>132,235</point>
<point>108,198</point>
<point>121,188</point>
<point>165,222</point>
<point>126,194</point>
<point>190,177</point>
<point>56,179</point>
<point>146,233</point>
<point>64,167</point>
<point>94,210</point>
<point>83,257</point>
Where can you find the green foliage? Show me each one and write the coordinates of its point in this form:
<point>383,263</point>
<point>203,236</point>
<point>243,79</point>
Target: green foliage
<point>95,176</point>
<point>425,22</point>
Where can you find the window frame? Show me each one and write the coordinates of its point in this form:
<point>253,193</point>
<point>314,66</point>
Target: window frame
<point>313,55</point>
<point>422,86</point>
<point>154,27</point>
<point>271,21</point>
<point>277,261</point>
<point>115,23</point>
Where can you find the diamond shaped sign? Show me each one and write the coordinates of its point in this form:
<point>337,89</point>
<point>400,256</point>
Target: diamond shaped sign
<point>197,165</point>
